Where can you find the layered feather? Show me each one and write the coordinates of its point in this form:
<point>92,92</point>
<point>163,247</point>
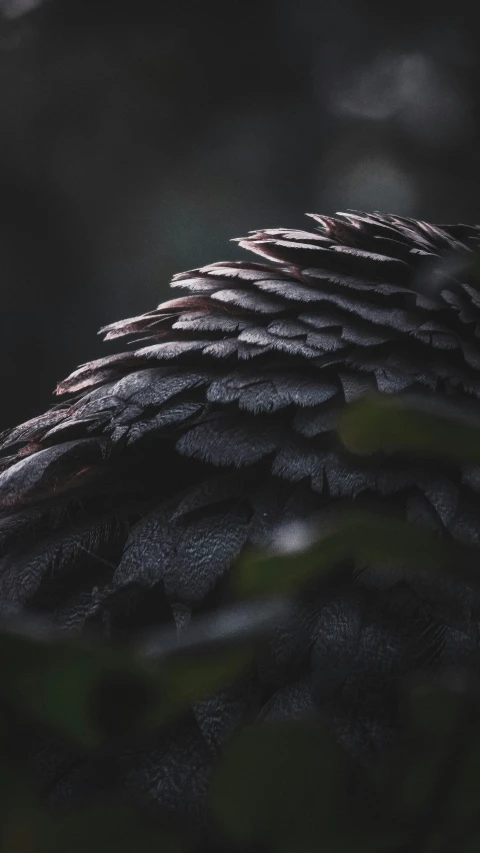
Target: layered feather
<point>167,460</point>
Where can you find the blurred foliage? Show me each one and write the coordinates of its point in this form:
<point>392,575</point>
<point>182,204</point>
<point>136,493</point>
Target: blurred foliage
<point>27,828</point>
<point>91,693</point>
<point>283,787</point>
<point>363,536</point>
<point>418,426</point>
<point>289,786</point>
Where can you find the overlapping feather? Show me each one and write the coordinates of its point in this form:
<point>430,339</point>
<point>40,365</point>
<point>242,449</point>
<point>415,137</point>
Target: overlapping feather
<point>169,458</point>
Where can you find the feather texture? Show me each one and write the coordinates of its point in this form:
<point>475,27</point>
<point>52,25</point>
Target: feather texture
<point>167,460</point>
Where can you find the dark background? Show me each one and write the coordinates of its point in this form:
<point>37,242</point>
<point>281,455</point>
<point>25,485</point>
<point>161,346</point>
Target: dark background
<point>137,138</point>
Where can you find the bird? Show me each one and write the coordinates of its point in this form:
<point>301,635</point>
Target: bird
<point>125,506</point>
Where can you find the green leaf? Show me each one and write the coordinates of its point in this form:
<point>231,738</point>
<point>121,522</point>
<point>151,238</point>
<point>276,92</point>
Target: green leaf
<point>89,693</point>
<point>22,818</point>
<point>435,710</point>
<point>287,786</point>
<point>465,798</point>
<point>50,682</point>
<point>383,422</point>
<point>419,780</point>
<point>360,536</point>
<point>26,827</point>
<point>276,784</point>
<point>192,676</point>
<point>431,777</point>
<point>106,829</point>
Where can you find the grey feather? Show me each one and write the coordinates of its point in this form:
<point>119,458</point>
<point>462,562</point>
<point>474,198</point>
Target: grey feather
<point>125,507</point>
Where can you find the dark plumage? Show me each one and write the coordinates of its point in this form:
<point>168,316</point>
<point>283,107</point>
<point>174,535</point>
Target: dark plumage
<point>170,458</point>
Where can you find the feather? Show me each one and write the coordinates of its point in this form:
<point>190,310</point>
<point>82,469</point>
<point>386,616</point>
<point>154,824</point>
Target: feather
<point>318,419</point>
<point>269,392</point>
<point>28,475</point>
<point>188,555</point>
<point>231,440</point>
<point>21,573</point>
<point>248,301</point>
<point>124,507</point>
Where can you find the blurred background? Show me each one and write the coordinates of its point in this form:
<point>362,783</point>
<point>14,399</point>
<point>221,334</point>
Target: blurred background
<point>137,138</point>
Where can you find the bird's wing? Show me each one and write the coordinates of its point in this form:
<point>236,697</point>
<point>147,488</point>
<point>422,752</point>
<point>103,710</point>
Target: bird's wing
<point>167,459</point>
